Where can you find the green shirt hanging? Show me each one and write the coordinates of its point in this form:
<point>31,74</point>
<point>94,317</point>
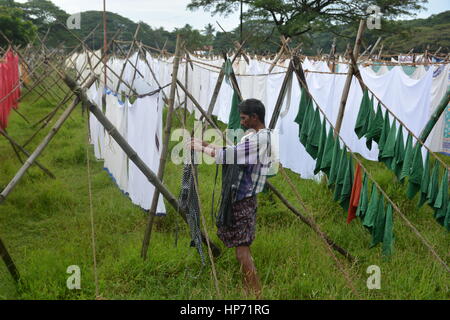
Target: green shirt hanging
<point>399,153</point>
<point>407,159</point>
<point>384,134</point>
<point>362,120</point>
<point>335,162</point>
<point>416,172</point>
<point>364,198</point>
<point>388,154</point>
<point>340,177</point>
<point>346,192</point>
<point>307,122</point>
<point>432,189</point>
<point>322,142</point>
<point>327,157</point>
<point>301,109</point>
<point>388,238</point>
<point>441,203</point>
<point>380,221</point>
<point>372,209</point>
<point>425,181</point>
<point>375,126</point>
<point>313,140</point>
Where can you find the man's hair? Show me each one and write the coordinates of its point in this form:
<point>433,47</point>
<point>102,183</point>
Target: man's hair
<point>253,106</point>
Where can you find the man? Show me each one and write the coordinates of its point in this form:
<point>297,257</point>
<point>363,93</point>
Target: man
<point>250,160</point>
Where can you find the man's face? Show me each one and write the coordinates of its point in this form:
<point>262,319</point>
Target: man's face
<point>248,122</point>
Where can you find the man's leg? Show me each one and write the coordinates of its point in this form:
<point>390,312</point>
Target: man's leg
<point>251,279</point>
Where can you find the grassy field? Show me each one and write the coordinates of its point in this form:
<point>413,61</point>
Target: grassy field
<point>46,226</point>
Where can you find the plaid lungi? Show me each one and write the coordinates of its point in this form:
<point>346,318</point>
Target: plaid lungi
<point>242,232</point>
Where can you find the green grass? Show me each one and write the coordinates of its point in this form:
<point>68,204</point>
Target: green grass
<point>46,227</point>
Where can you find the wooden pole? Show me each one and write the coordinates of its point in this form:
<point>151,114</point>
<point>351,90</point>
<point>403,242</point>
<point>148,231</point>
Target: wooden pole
<point>186,78</point>
<point>164,151</point>
<point>128,57</point>
<point>348,81</point>
<point>284,43</point>
<point>310,224</point>
<point>17,145</point>
<point>286,81</point>
<point>9,262</point>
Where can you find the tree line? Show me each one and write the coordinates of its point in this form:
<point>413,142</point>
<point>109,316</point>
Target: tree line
<point>314,24</point>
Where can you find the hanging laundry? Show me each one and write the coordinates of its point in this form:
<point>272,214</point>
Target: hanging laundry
<point>322,142</point>
<point>416,172</point>
<point>306,122</point>
<point>144,132</point>
<point>9,86</point>
<point>388,153</point>
<point>388,237</point>
<point>441,202</point>
<point>363,203</point>
<point>407,159</point>
<point>337,154</point>
<point>425,181</point>
<point>302,109</point>
<point>313,139</point>
<point>340,176</point>
<point>432,189</point>
<point>399,153</point>
<point>355,194</point>
<point>189,204</point>
<point>384,134</point>
<point>362,122</point>
<point>372,209</point>
<point>346,191</point>
<point>327,156</point>
<point>375,126</point>
<point>379,224</point>
<point>234,120</point>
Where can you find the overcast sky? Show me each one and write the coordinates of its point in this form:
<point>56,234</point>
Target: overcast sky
<point>172,14</point>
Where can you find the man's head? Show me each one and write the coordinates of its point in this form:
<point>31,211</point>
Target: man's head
<point>252,113</point>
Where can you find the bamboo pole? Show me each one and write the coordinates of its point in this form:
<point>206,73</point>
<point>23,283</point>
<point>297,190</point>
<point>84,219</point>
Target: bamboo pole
<point>9,262</point>
<point>164,151</point>
<point>17,145</point>
<point>128,56</point>
<point>348,81</point>
<point>284,43</point>
<point>310,223</point>
<point>286,81</point>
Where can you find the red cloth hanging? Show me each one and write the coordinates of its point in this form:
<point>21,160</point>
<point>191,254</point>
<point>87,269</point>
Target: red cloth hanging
<point>356,193</point>
<point>9,86</point>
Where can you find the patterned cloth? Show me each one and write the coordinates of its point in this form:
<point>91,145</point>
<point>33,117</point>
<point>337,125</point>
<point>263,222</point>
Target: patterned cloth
<point>242,232</point>
<point>255,155</point>
<point>189,204</point>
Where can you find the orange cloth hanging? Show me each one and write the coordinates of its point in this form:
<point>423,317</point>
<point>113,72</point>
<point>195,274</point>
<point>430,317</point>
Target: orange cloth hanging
<point>356,193</point>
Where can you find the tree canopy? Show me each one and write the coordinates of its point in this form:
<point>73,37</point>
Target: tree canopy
<point>297,17</point>
<point>14,25</point>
